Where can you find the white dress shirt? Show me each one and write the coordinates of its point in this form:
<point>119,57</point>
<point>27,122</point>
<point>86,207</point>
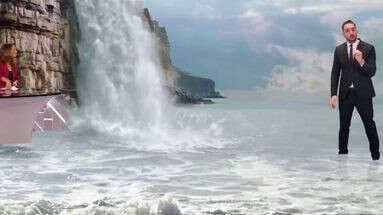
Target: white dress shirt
<point>354,46</point>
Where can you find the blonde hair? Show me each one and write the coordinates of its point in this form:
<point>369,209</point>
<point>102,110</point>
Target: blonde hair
<point>5,54</point>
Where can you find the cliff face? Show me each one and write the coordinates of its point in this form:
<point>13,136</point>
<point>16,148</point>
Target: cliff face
<point>164,50</point>
<point>197,87</point>
<point>43,33</point>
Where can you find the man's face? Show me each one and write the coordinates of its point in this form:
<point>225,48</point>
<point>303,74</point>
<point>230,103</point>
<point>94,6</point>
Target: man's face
<point>350,32</point>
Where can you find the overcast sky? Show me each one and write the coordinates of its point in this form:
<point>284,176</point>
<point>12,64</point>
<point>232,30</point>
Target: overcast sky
<point>273,44</point>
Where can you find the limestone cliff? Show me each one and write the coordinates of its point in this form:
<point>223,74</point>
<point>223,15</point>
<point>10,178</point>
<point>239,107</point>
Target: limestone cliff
<point>43,33</point>
<point>197,87</point>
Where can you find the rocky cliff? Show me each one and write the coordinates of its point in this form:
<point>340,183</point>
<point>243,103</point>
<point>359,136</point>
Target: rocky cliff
<point>44,36</point>
<point>195,86</point>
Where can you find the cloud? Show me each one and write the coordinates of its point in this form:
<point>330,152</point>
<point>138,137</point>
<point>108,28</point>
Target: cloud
<point>309,72</point>
<point>249,14</point>
<point>227,9</point>
<point>197,9</point>
<point>334,19</point>
<point>253,24</point>
<point>320,8</point>
<point>205,11</point>
<point>312,7</point>
<point>373,27</point>
<point>372,32</point>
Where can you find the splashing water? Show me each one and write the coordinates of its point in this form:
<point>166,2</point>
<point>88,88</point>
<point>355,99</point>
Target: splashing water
<point>120,83</point>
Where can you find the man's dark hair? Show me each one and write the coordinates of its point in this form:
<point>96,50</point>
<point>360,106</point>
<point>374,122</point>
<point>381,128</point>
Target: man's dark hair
<point>348,22</point>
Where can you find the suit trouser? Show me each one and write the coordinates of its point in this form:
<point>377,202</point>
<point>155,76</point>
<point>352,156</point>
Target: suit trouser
<point>366,112</point>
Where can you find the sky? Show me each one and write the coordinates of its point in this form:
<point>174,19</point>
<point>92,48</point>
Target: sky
<point>283,45</point>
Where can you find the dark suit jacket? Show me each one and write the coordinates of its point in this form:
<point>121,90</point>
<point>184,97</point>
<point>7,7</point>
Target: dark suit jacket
<point>352,72</point>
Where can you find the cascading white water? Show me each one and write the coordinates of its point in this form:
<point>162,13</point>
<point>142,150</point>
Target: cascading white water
<point>120,84</point>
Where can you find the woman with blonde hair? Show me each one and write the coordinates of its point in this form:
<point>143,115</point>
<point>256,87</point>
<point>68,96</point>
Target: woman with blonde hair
<point>9,76</point>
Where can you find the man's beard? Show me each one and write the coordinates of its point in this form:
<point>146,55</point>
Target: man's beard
<point>353,39</point>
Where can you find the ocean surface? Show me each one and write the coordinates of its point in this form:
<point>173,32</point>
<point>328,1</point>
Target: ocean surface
<point>252,153</point>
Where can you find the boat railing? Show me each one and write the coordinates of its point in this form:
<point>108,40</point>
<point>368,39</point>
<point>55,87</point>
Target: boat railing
<point>53,116</point>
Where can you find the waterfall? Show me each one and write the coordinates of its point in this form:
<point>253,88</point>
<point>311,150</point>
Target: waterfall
<point>119,76</point>
<point>120,83</point>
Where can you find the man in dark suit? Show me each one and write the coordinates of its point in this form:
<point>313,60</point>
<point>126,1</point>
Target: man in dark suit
<point>356,59</point>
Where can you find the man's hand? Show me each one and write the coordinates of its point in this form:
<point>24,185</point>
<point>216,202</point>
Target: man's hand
<point>15,83</point>
<point>358,55</point>
<point>334,101</point>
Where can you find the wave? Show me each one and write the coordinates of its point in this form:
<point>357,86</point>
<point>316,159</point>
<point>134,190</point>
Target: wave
<point>104,206</point>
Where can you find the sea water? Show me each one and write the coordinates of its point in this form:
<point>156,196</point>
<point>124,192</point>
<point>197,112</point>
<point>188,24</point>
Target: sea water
<point>254,153</point>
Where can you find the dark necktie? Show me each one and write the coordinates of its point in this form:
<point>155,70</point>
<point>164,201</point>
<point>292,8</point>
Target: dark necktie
<point>351,59</point>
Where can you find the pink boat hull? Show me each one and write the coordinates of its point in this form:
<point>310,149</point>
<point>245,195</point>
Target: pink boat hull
<point>19,116</point>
